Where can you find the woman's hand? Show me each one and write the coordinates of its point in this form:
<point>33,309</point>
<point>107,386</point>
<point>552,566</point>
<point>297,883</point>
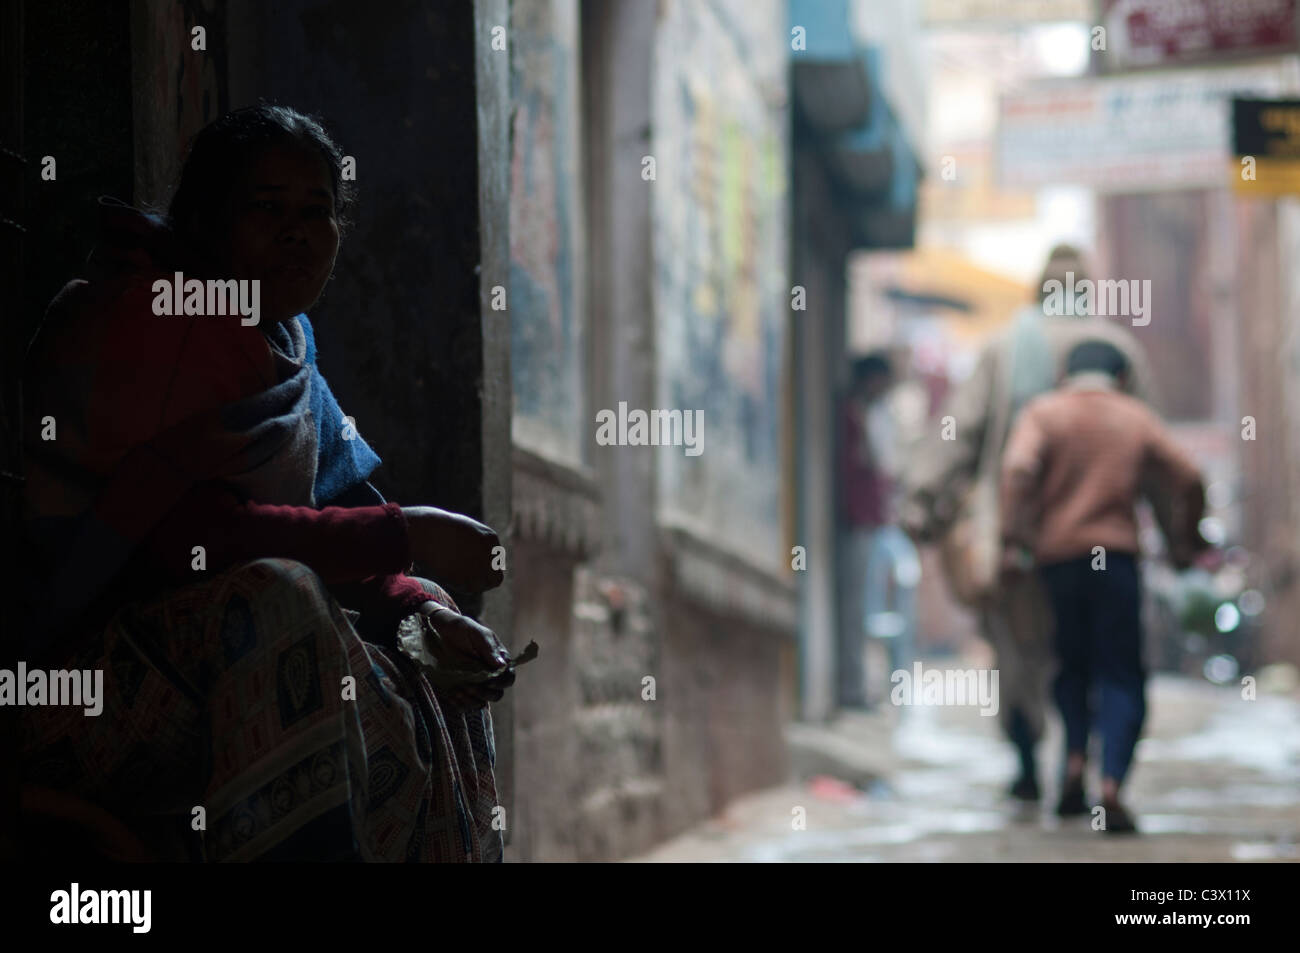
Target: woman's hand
<point>454,549</point>
<point>478,696</point>
<point>463,643</point>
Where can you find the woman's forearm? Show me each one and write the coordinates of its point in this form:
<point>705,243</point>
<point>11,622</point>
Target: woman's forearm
<point>341,544</point>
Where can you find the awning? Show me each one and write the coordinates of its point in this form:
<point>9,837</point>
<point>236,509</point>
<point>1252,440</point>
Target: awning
<point>828,76</point>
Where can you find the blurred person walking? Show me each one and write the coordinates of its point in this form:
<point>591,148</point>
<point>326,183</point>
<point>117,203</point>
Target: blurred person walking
<point>878,589</point>
<point>950,494</point>
<point>1075,464</point>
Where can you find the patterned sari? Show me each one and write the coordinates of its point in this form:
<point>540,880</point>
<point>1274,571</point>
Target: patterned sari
<point>251,696</point>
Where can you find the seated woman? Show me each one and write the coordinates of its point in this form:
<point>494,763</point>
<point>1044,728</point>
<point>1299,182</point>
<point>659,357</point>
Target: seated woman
<point>201,516</point>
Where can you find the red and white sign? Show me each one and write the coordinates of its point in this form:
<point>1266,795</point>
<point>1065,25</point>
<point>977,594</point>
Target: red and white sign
<point>1142,33</point>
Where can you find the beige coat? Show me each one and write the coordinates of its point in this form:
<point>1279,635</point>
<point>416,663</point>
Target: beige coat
<point>1018,623</point>
<point>940,470</point>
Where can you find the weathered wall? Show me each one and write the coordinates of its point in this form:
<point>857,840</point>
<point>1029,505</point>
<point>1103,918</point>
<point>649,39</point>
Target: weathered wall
<point>1284,629</point>
<point>543,823</point>
<point>546,299</point>
<point>723,710</point>
<point>721,304</point>
<point>1271,511</point>
<point>721,294</point>
<point>657,697</point>
<point>1162,237</point>
<point>555,497</point>
<point>588,750</point>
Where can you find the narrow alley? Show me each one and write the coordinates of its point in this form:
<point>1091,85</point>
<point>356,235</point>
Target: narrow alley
<point>1215,780</point>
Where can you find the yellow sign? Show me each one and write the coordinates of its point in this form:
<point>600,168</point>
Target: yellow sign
<point>1266,140</point>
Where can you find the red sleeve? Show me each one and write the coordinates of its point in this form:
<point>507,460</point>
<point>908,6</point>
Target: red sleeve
<point>383,601</point>
<point>342,544</point>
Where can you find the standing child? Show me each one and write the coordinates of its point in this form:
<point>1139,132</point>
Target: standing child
<point>1076,462</point>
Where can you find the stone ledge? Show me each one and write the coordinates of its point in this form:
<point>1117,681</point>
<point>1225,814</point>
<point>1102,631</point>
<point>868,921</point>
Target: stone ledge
<point>725,582</point>
<point>556,505</point>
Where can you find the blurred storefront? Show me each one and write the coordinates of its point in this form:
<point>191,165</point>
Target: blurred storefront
<point>855,179</point>
<point>1144,131</point>
<point>1224,330</point>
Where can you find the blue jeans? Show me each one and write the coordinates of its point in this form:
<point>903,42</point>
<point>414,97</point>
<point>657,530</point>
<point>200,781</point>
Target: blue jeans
<point>889,604</point>
<point>1099,648</point>
<point>884,563</point>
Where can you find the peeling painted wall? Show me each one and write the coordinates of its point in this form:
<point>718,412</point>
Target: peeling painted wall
<point>721,289</point>
<point>546,306</point>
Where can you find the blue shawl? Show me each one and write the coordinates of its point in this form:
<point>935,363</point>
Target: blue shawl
<point>344,459</point>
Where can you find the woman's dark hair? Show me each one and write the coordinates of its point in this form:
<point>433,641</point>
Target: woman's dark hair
<point>226,147</point>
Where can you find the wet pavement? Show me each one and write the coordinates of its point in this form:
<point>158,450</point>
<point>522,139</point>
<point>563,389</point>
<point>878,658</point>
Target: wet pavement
<point>1217,778</point>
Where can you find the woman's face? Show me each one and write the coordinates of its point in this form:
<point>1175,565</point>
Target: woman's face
<point>283,230</point>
